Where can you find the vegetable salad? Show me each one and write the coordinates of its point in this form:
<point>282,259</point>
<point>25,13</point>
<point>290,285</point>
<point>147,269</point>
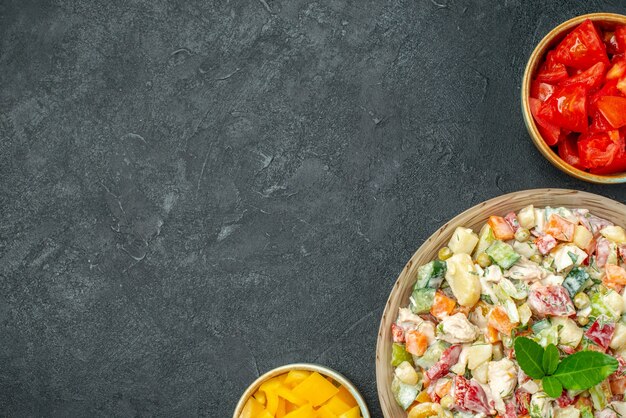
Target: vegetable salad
<point>524,318</point>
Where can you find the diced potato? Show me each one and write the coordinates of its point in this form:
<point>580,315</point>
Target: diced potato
<point>524,313</point>
<point>582,237</point>
<point>463,279</point>
<point>569,333</point>
<point>540,219</point>
<point>406,373</point>
<point>485,239</point>
<point>614,233</point>
<point>567,412</point>
<point>315,389</point>
<point>526,249</point>
<point>478,354</point>
<point>614,301</point>
<point>463,241</point>
<point>526,217</point>
<point>567,255</point>
<point>618,342</point>
<point>481,373</point>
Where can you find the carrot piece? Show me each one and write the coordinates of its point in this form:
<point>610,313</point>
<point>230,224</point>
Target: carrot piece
<point>614,274</point>
<point>416,342</point>
<point>499,319</point>
<point>442,305</point>
<point>501,228</point>
<point>493,335</point>
<point>560,228</point>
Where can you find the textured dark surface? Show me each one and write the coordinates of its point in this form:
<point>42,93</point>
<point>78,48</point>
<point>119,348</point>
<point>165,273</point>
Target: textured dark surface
<point>195,192</point>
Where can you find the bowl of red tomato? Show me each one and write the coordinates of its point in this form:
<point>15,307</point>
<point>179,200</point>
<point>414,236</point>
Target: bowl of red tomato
<point>574,97</point>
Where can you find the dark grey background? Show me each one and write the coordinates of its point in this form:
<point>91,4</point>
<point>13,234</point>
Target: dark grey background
<point>195,192</point>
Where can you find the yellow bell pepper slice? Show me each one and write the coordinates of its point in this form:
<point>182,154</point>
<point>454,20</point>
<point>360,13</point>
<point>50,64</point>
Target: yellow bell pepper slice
<point>252,409</point>
<point>352,413</point>
<point>295,377</point>
<point>325,412</point>
<point>305,411</point>
<point>315,389</point>
<point>288,395</point>
<point>346,396</point>
<point>337,406</point>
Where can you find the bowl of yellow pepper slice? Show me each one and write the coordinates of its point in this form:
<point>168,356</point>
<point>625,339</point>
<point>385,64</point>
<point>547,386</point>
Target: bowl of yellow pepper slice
<point>301,390</point>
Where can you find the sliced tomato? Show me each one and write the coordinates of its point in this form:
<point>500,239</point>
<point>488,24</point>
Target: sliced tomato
<point>582,47</point>
<point>601,333</point>
<point>552,300</point>
<point>599,123</point>
<point>591,78</point>
<point>613,108</point>
<point>448,359</point>
<point>568,151</point>
<point>398,333</point>
<point>608,89</point>
<point>621,85</point>
<point>541,91</point>
<point>620,38</point>
<point>618,165</point>
<point>552,74</point>
<point>549,132</point>
<point>596,149</point>
<point>566,108</point>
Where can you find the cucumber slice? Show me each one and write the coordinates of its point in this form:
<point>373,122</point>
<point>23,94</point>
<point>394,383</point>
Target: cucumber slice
<point>575,280</point>
<point>422,300</point>
<point>503,254</point>
<point>404,394</point>
<point>431,275</point>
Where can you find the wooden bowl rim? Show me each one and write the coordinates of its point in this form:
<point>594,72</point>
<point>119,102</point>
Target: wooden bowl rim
<point>535,59</point>
<point>326,371</point>
<point>540,197</point>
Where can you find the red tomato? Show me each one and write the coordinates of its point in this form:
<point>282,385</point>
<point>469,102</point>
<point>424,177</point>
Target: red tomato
<point>545,243</point>
<point>549,132</point>
<point>552,74</point>
<point>398,333</point>
<point>541,91</point>
<point>603,250</point>
<point>568,151</point>
<point>596,149</point>
<point>599,123</point>
<point>618,164</point>
<point>448,359</point>
<point>613,108</point>
<point>581,48</point>
<point>564,400</point>
<point>620,38</point>
<point>522,399</point>
<point>550,300</point>
<point>470,396</point>
<point>590,78</point>
<point>567,108</point>
<point>601,334</point>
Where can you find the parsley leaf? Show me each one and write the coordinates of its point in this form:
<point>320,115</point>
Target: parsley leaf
<point>550,359</point>
<point>585,369</point>
<point>529,356</point>
<point>551,386</point>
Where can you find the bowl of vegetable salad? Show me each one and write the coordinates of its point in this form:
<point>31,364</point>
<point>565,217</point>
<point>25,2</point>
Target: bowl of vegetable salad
<point>516,307</point>
<point>574,97</point>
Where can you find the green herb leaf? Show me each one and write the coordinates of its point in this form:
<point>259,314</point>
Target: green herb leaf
<point>550,359</point>
<point>584,369</point>
<point>529,355</point>
<point>551,386</point>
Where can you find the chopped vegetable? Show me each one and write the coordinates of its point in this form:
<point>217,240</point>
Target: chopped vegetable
<point>501,228</point>
<point>503,254</point>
